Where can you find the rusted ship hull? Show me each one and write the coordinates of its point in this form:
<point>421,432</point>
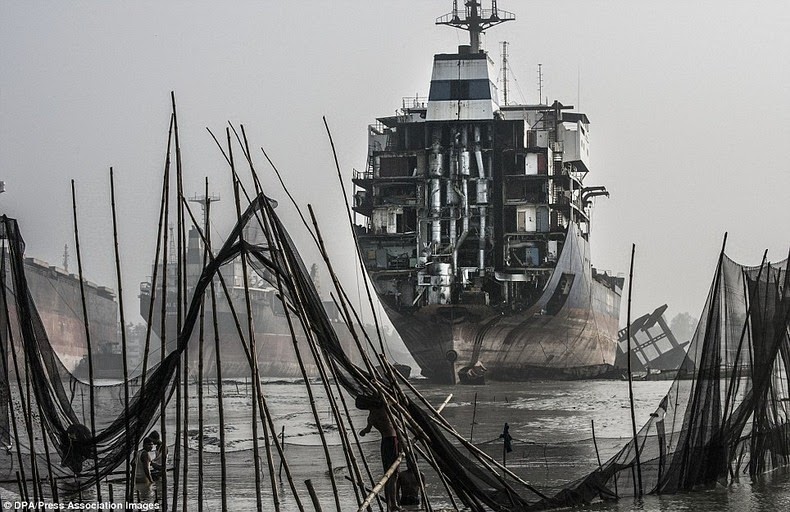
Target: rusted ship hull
<point>58,300</point>
<point>573,340</point>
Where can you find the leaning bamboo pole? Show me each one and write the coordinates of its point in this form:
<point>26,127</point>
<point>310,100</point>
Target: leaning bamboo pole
<point>124,344</point>
<point>36,483</point>
<point>638,483</point>
<point>87,337</point>
<point>393,468</point>
<point>44,437</point>
<point>268,233</point>
<point>263,404</point>
<point>163,331</point>
<point>220,405</point>
<point>487,461</point>
<point>253,356</point>
<point>11,349</point>
<point>357,441</point>
<point>28,417</point>
<point>160,227</point>
<point>343,312</point>
<point>201,343</point>
<point>180,297</point>
<point>354,234</point>
<point>315,351</point>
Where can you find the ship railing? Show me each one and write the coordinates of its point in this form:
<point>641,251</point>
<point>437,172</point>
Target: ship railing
<point>414,102</point>
<point>363,175</point>
<point>485,14</point>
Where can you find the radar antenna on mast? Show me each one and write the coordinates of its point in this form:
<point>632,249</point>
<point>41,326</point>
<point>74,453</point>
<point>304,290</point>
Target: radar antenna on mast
<point>475,20</point>
<point>205,202</point>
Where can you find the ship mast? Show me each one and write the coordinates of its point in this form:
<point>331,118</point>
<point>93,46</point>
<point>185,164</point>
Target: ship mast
<point>475,20</point>
<point>504,70</point>
<point>205,202</point>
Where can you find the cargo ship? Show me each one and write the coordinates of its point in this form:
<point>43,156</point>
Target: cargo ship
<point>477,227</point>
<point>58,300</point>
<point>273,339</point>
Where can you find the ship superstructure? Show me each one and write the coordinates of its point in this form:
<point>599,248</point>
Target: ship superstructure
<point>477,226</point>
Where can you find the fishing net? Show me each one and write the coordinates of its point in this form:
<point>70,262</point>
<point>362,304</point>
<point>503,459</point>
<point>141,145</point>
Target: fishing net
<point>731,418</point>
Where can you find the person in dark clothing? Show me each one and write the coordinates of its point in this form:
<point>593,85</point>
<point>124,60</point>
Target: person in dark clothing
<point>378,419</point>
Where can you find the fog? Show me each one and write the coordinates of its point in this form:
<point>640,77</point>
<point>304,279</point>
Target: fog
<point>687,101</point>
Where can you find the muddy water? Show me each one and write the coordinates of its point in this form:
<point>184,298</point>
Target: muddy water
<point>550,422</point>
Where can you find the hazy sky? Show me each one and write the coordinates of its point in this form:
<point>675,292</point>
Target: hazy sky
<point>688,103</point>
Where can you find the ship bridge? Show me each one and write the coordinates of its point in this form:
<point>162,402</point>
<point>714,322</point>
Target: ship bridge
<point>462,88</point>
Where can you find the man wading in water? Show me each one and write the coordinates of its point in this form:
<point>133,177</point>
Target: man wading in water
<point>379,420</point>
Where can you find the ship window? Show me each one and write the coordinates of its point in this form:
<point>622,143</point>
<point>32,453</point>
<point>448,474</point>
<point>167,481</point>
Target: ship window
<point>443,90</point>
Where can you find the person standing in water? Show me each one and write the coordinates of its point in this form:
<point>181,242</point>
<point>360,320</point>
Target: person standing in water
<point>145,466</point>
<point>378,419</point>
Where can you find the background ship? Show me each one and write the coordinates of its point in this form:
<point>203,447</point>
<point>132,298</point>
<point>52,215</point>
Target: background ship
<point>273,338</point>
<point>56,294</point>
<point>478,225</point>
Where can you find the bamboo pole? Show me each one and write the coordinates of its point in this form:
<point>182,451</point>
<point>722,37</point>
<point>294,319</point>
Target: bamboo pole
<point>483,457</point>
<point>427,455</point>
<point>11,349</point>
<point>37,488</point>
<point>392,469</point>
<point>163,328</point>
<point>348,451</point>
<point>262,397</point>
<point>269,235</point>
<point>253,356</point>
<point>354,234</point>
<point>220,407</point>
<point>637,490</point>
<point>595,444</point>
<point>411,458</point>
<point>312,344</point>
<point>357,441</point>
<point>180,298</point>
<point>124,353</point>
<point>160,227</point>
<point>87,338</point>
<point>311,491</point>
<point>474,415</point>
<point>28,428</point>
<point>22,486</point>
<point>308,387</point>
<point>266,228</point>
<point>44,436</point>
<point>201,342</point>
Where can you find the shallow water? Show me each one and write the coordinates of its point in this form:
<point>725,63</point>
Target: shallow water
<point>551,423</point>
